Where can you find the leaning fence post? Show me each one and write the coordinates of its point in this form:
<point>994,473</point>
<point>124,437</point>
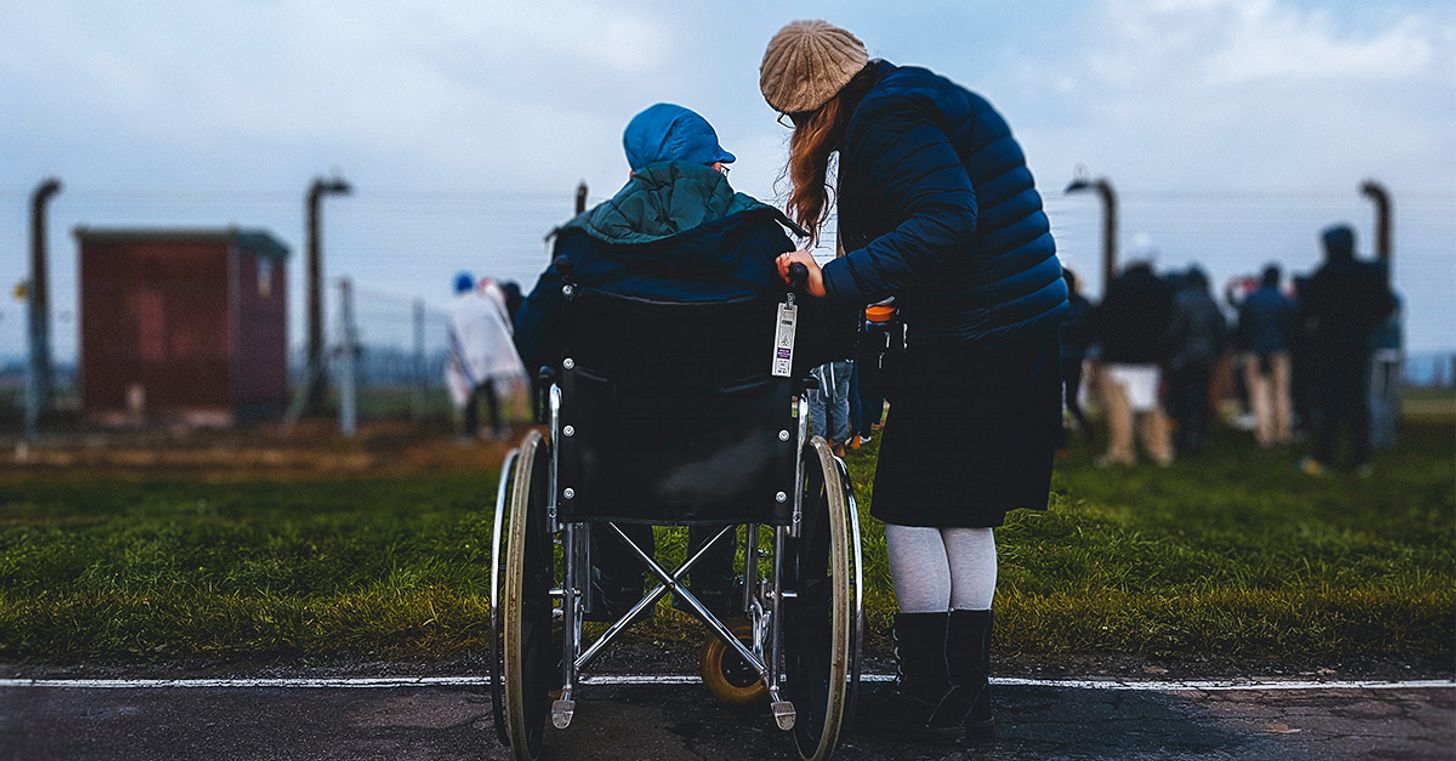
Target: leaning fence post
<point>348,384</point>
<point>417,391</point>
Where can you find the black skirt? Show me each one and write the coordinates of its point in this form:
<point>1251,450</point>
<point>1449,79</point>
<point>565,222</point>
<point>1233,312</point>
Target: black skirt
<point>971,434</point>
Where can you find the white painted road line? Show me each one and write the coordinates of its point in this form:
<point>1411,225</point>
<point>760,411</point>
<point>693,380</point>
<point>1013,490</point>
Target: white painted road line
<point>1229,685</point>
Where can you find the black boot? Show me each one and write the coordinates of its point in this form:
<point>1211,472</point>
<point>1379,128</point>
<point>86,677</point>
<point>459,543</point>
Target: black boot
<point>968,659</point>
<point>911,705</point>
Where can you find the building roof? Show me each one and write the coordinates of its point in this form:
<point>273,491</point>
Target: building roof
<point>254,241</point>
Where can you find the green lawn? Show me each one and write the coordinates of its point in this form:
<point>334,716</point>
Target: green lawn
<point>1234,558</point>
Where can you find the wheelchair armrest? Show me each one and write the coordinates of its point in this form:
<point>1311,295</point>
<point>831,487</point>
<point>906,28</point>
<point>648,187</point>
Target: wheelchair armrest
<point>808,383</point>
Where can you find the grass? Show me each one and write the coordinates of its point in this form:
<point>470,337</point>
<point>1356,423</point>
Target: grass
<point>1237,556</point>
<point>181,567</point>
<point>1233,558</point>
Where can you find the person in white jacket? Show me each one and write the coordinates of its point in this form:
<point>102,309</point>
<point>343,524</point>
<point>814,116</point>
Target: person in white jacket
<point>482,355</point>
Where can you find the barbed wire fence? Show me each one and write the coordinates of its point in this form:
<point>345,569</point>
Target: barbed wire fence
<point>400,246</point>
<point>399,367</point>
<point>386,358</point>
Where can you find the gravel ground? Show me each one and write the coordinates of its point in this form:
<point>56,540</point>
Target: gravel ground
<point>683,722</point>
<point>638,654</point>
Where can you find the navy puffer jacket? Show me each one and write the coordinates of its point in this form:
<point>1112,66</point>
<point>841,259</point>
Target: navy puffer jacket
<point>938,208</point>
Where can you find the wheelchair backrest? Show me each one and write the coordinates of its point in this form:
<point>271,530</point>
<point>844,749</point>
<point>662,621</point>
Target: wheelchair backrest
<point>670,413</point>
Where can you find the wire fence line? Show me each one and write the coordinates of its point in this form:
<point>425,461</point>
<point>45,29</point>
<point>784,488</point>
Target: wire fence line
<point>384,359</point>
<point>402,244</point>
<point>403,343</point>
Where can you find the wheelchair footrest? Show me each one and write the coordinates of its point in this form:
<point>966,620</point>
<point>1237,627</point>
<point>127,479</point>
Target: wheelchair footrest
<point>783,713</point>
<point>561,713</point>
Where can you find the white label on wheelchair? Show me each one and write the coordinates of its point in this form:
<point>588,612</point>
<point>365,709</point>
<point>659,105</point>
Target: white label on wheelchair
<point>783,359</point>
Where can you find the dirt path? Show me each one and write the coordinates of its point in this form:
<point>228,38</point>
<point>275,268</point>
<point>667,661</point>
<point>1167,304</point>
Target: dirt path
<point>314,450</point>
<point>682,722</point>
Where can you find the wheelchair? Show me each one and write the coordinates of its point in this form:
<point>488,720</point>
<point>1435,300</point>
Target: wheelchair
<point>668,414</point>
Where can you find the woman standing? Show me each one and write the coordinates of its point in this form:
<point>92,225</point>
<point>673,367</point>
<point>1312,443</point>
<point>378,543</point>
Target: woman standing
<point>938,209</point>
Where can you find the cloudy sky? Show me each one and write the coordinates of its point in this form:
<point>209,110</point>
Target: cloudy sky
<point>1234,129</point>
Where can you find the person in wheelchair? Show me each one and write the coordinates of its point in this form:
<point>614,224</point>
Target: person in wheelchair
<point>676,231</point>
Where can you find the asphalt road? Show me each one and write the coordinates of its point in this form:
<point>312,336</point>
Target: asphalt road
<point>683,722</point>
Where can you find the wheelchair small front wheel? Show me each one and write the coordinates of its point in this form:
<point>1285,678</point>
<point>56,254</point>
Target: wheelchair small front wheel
<point>726,675</point>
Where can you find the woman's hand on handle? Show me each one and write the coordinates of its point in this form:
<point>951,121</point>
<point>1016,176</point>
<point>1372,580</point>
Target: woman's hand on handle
<point>815,283</point>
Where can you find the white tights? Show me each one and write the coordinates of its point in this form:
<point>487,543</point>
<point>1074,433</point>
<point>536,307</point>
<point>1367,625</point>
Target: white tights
<point>939,569</point>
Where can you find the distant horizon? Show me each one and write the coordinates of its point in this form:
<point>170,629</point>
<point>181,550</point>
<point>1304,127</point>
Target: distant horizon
<point>1419,368</point>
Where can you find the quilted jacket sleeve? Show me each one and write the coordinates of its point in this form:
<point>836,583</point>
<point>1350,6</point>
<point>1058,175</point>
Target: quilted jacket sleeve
<point>916,169</point>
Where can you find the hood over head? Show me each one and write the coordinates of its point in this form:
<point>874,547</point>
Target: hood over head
<point>667,199</point>
<point>669,132</point>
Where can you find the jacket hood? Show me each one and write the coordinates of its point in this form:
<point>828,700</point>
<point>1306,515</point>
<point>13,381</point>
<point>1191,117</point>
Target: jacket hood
<point>667,199</point>
<point>669,132</point>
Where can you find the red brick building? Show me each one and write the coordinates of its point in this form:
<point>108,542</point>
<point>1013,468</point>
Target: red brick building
<point>185,326</point>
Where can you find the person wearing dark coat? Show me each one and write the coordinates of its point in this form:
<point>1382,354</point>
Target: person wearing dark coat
<point>1341,305</point>
<point>938,209</point>
<point>1197,337</point>
<point>1266,324</point>
<point>675,232</point>
<point>1076,340</point>
<point>514,298</point>
<point>1132,328</point>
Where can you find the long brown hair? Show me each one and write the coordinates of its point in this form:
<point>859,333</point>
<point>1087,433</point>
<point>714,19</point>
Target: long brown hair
<point>817,134</point>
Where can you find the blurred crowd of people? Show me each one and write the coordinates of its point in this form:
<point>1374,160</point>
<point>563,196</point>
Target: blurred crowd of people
<point>1312,357</point>
<point>1298,359</point>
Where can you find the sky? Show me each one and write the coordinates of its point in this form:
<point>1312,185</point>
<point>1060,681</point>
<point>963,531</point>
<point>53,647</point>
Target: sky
<point>1234,130</point>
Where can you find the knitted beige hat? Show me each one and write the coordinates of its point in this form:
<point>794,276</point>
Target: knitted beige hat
<point>807,63</point>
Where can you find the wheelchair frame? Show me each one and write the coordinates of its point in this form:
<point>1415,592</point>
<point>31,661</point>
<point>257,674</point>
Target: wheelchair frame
<point>768,602</point>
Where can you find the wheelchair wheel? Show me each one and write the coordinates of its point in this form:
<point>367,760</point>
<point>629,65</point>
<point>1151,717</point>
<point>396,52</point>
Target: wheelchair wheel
<point>726,675</point>
<point>497,571</point>
<point>530,656</point>
<point>823,622</point>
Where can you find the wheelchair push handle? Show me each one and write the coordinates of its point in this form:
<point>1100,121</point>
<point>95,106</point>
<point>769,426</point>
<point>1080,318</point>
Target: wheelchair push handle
<point>798,276</point>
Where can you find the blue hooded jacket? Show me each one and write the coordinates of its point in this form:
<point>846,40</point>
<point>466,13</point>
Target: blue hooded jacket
<point>669,132</point>
<point>938,208</point>
<point>675,232</point>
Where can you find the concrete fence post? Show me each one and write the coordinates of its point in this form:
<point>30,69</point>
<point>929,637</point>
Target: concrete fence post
<point>348,383</point>
<point>38,376</point>
<point>1108,194</point>
<point>417,387</point>
<point>318,379</point>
